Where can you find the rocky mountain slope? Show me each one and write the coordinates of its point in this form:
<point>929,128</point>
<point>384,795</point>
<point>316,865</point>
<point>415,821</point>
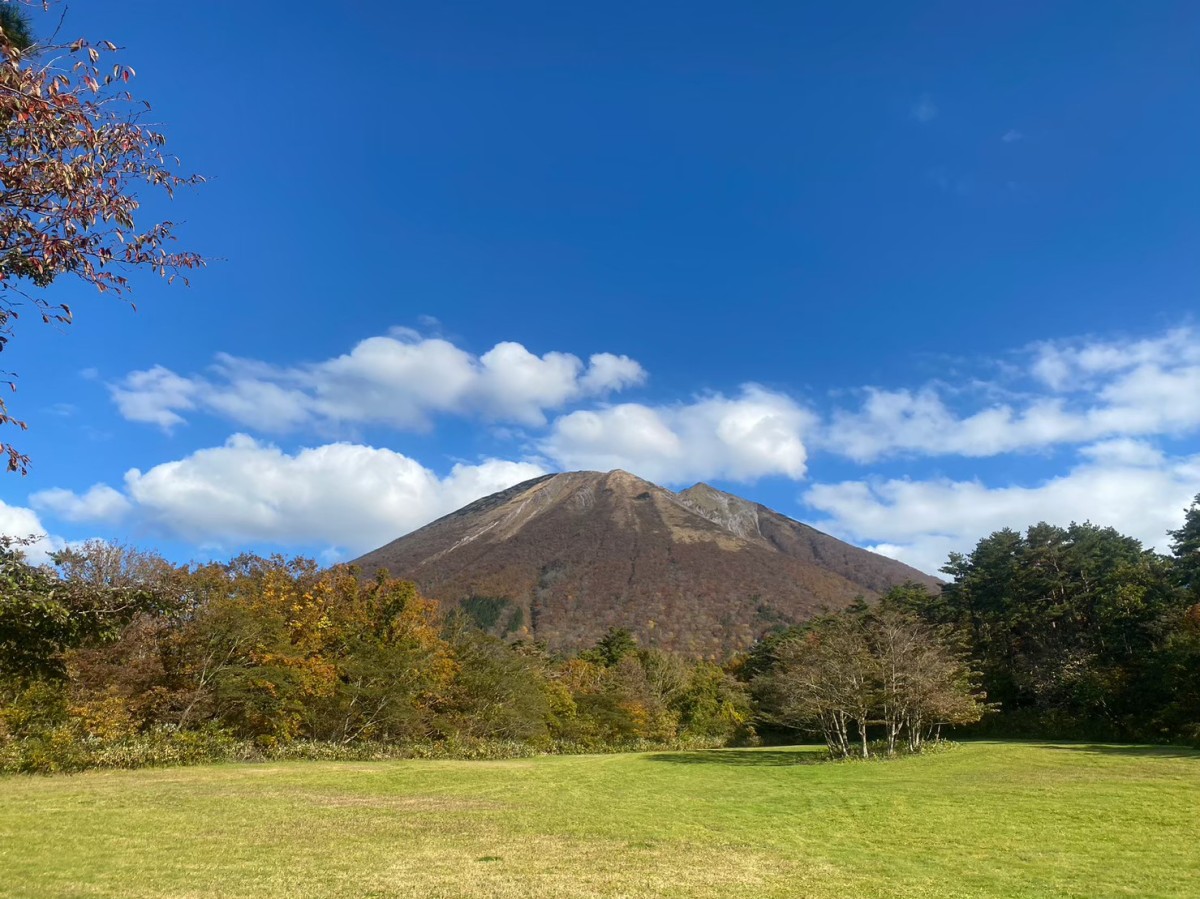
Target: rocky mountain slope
<point>563,557</point>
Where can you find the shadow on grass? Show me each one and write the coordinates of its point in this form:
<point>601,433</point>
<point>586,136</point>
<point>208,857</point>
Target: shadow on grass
<point>1137,751</point>
<point>759,758</point>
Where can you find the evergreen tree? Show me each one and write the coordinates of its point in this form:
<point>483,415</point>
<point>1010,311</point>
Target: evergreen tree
<point>1185,544</point>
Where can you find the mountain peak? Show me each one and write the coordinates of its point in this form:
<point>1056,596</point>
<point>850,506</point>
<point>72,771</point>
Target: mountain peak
<point>619,476</point>
<point>730,512</point>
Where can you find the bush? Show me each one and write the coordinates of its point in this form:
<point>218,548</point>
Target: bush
<point>65,749</point>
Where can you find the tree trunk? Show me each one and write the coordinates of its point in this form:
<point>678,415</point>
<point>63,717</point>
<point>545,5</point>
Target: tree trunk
<point>843,738</point>
<point>915,734</point>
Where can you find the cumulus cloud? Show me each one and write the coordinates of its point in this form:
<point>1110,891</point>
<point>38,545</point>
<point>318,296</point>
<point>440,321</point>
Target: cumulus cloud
<point>20,522</point>
<point>754,434</point>
<point>400,379</point>
<point>1127,484</point>
<point>1064,393</point>
<point>99,503</point>
<point>341,494</point>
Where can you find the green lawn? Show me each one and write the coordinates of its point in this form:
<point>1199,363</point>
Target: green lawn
<point>987,819</point>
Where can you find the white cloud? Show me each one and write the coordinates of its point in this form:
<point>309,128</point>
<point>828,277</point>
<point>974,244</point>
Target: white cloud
<point>1105,399</point>
<point>156,396</point>
<point>1011,136</point>
<point>755,434</point>
<point>1070,394</point>
<point>357,497</point>
<point>1124,451</point>
<point>1064,365</point>
<point>20,522</point>
<point>899,421</point>
<point>400,379</point>
<point>1124,484</point>
<point>607,372</point>
<point>340,494</point>
<point>924,110</point>
<point>99,503</point>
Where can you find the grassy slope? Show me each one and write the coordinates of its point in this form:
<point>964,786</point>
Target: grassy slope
<point>989,819</point>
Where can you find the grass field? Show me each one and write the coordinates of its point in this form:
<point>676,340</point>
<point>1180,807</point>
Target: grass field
<point>986,819</point>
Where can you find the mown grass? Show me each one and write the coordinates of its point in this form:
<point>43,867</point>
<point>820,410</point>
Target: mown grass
<point>983,820</point>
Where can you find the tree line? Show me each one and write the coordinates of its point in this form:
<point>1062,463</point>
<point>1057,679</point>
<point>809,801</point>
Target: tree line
<point>113,656</point>
<point>1054,633</point>
<point>115,649</point>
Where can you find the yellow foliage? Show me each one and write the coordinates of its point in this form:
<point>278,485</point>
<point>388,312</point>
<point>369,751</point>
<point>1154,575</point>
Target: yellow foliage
<point>106,716</point>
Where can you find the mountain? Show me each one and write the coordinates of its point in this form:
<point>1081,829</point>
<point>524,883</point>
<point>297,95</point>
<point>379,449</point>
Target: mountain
<point>563,557</point>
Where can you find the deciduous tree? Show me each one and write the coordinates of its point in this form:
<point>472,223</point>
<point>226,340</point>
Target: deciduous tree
<point>870,667</point>
<point>824,678</point>
<point>75,148</point>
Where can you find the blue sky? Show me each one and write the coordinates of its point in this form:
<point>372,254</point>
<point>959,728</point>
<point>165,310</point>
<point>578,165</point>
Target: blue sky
<point>908,272</point>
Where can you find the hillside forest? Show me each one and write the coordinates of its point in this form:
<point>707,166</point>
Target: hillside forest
<point>114,657</point>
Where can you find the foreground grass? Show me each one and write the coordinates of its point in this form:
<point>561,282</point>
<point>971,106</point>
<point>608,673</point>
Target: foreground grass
<point>984,820</point>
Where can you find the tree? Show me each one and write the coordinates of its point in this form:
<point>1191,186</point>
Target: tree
<point>36,624</point>
<point>616,643</point>
<point>99,563</point>
<point>712,703</point>
<point>923,683</point>
<point>496,693</point>
<point>1177,663</point>
<point>15,29</point>
<point>42,616</point>
<point>870,667</point>
<point>74,149</point>
<point>1064,623</point>
<point>823,679</point>
<point>278,650</point>
<point>1185,544</point>
<point>383,667</point>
